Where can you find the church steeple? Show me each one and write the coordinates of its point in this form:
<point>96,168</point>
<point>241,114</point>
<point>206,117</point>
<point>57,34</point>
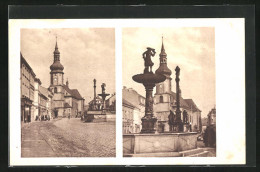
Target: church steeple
<point>163,68</point>
<point>56,66</point>
<point>56,52</point>
<point>163,55</point>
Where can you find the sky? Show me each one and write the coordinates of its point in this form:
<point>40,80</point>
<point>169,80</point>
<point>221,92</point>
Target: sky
<point>85,53</point>
<point>191,48</point>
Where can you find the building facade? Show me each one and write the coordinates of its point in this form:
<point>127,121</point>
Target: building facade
<point>74,103</point>
<point>134,105</point>
<point>111,103</point>
<point>128,117</point>
<point>27,77</point>
<point>35,99</point>
<point>165,101</point>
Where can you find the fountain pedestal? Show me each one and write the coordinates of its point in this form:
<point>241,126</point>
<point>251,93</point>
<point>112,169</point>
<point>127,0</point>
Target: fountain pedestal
<point>149,79</point>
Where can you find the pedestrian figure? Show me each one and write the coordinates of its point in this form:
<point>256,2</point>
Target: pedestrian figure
<point>147,59</point>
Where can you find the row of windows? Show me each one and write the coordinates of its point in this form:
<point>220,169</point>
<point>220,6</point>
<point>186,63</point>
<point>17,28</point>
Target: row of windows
<point>27,86</point>
<point>161,99</point>
<point>25,68</point>
<point>25,77</point>
<point>25,72</point>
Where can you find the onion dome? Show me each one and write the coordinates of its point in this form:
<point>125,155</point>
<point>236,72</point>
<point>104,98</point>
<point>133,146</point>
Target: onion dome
<point>56,66</point>
<point>163,68</point>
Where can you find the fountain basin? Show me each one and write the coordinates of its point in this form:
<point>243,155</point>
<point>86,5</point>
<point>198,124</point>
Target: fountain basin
<point>149,78</point>
<point>155,143</point>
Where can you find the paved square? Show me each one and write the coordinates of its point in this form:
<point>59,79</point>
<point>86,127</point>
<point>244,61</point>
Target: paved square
<point>69,138</point>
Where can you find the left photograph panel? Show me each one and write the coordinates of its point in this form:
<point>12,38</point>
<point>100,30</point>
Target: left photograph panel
<point>68,98</point>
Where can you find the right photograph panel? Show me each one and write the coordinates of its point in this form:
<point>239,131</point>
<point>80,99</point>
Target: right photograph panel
<point>169,94</point>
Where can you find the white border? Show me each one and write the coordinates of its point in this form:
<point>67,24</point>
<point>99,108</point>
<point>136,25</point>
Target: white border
<point>230,90</point>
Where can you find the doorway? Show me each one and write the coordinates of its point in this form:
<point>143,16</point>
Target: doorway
<point>56,114</point>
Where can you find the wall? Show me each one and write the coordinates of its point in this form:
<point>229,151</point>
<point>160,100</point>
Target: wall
<point>74,109</point>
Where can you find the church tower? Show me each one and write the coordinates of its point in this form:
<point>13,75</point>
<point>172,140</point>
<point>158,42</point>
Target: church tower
<point>163,95</point>
<point>163,87</point>
<point>56,83</point>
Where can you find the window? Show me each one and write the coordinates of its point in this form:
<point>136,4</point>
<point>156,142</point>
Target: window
<point>161,99</point>
<point>55,90</point>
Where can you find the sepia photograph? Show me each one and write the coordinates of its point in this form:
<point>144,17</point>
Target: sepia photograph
<point>169,100</point>
<point>88,92</point>
<point>68,92</point>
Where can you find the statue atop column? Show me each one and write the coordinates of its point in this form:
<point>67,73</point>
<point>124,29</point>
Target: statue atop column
<point>147,59</point>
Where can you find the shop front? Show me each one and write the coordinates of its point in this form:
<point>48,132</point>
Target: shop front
<point>26,110</point>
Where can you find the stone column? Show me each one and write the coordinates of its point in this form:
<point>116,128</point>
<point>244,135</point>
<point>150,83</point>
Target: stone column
<point>179,123</point>
<point>94,104</point>
<point>148,121</point>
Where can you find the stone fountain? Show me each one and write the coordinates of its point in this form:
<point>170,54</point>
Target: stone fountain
<point>148,143</point>
<point>95,113</point>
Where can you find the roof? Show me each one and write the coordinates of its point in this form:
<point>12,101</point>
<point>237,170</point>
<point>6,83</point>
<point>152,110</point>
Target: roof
<point>163,68</point>
<point>44,91</point>
<point>128,104</point>
<point>26,64</point>
<point>133,96</point>
<point>56,66</point>
<point>212,111</point>
<point>192,105</point>
<point>73,92</point>
<point>66,105</point>
<point>183,103</point>
<point>76,94</point>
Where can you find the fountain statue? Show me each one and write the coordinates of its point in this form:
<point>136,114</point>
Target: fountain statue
<point>148,79</point>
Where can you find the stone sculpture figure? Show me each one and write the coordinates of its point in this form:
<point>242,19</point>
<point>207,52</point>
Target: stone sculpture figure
<point>147,59</point>
<point>171,118</point>
<point>103,88</point>
<point>185,117</point>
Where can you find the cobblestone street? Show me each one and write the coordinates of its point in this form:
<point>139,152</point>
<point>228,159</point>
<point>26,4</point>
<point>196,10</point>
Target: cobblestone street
<point>68,138</point>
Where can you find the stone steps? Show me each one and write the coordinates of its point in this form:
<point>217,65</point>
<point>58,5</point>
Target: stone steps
<point>157,154</point>
<point>199,152</point>
<point>191,152</point>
